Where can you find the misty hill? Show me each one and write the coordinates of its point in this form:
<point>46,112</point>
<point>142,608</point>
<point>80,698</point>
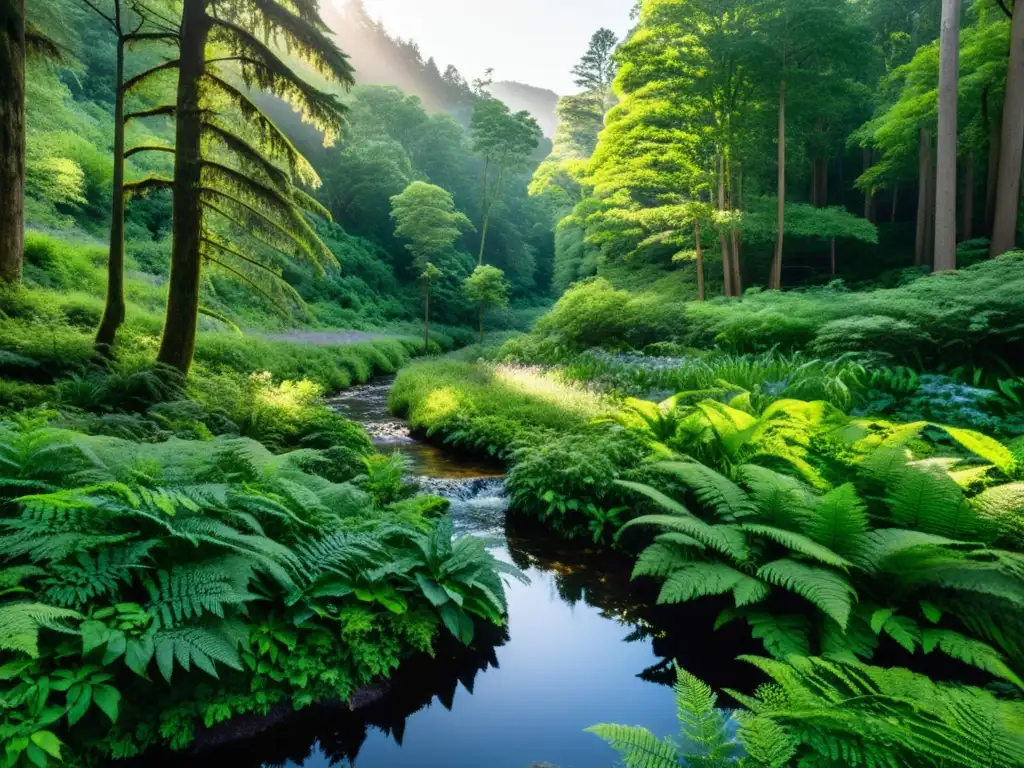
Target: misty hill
<point>539,102</point>
<point>381,59</point>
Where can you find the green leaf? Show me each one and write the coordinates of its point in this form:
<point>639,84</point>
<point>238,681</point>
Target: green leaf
<point>138,654</point>
<point>931,612</point>
<point>879,617</point>
<point>47,742</point>
<point>79,701</point>
<point>12,669</point>
<point>117,644</point>
<point>433,591</point>
<point>94,634</point>
<point>107,698</point>
<point>37,756</point>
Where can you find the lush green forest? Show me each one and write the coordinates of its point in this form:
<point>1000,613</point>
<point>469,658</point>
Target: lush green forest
<point>750,321</point>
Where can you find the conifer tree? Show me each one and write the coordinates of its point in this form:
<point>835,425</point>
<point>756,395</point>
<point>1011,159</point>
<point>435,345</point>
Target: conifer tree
<point>237,177</point>
<point>131,23</point>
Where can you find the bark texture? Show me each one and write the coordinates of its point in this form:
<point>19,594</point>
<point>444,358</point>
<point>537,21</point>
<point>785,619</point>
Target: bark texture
<point>179,339</point>
<point>12,139</point>
<point>945,172</point>
<point>114,310</point>
<point>1007,194</point>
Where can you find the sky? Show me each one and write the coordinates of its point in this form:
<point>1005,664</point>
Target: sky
<point>531,41</point>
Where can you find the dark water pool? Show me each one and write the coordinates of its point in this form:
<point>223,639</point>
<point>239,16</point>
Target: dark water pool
<point>580,648</point>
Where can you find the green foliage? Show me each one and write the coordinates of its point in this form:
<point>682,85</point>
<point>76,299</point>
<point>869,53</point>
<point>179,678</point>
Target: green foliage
<point>970,317</point>
<point>131,559</point>
<point>426,217</point>
<point>819,711</point>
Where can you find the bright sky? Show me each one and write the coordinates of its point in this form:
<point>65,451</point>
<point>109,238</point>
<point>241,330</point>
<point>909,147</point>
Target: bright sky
<point>531,41</point>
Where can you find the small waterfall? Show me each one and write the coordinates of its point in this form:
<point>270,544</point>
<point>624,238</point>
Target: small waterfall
<point>478,504</point>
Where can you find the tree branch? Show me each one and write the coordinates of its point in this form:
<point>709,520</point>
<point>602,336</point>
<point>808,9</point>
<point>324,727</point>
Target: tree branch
<point>1007,11</point>
<point>136,37</point>
<point>132,82</point>
<point>95,9</point>
<point>166,110</point>
<point>154,148</point>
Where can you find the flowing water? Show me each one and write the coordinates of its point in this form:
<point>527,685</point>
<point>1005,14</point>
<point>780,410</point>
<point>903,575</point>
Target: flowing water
<point>579,649</point>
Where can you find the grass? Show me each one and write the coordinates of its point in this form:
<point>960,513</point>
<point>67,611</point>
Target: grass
<point>491,407</point>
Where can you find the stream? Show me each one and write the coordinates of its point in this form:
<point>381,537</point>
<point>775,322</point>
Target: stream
<point>580,648</point>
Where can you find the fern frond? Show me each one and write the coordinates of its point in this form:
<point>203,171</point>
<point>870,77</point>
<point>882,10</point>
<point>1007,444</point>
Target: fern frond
<point>973,652</point>
<point>21,622</point>
<point>692,580</point>
<point>840,523</point>
<point>725,539</point>
<point>715,491</point>
<point>191,591</point>
<point>203,647</point>
<point>638,746</point>
<point>829,591</point>
<point>797,543</point>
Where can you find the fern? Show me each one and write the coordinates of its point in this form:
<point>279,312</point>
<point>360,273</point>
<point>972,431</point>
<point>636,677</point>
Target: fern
<point>203,647</point>
<point>93,577</point>
<point>727,540</point>
<point>664,556</point>
<point>798,543</point>
<point>973,652</point>
<point>21,622</point>
<point>854,714</point>
<point>191,591</point>
<point>923,497</point>
<point>713,490</point>
<point>781,500</point>
<point>693,580</point>
<point>839,522</point>
<point>829,591</point>
<point>638,746</point>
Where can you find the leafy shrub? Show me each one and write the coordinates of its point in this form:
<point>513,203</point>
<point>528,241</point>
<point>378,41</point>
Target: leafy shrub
<point>814,709</point>
<point>972,316</point>
<point>151,573</point>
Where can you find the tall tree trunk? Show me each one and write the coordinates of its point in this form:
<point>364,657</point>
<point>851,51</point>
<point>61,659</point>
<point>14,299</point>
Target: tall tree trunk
<point>114,311</point>
<point>895,199</point>
<point>967,230</point>
<point>489,198</point>
<point>12,139</point>
<point>480,319</point>
<point>722,236</point>
<point>483,238</point>
<point>832,254</point>
<point>945,170</point>
<point>426,317</point>
<point>994,125</point>
<point>922,254</point>
<point>775,282</point>
<point>179,340</point>
<point>700,260</point>
<point>737,273</point>
<point>821,182</point>
<point>1004,227</point>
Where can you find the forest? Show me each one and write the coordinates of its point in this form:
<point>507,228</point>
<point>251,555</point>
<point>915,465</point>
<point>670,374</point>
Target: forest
<point>352,406</point>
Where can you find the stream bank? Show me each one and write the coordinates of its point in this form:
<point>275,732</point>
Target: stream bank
<point>581,647</point>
